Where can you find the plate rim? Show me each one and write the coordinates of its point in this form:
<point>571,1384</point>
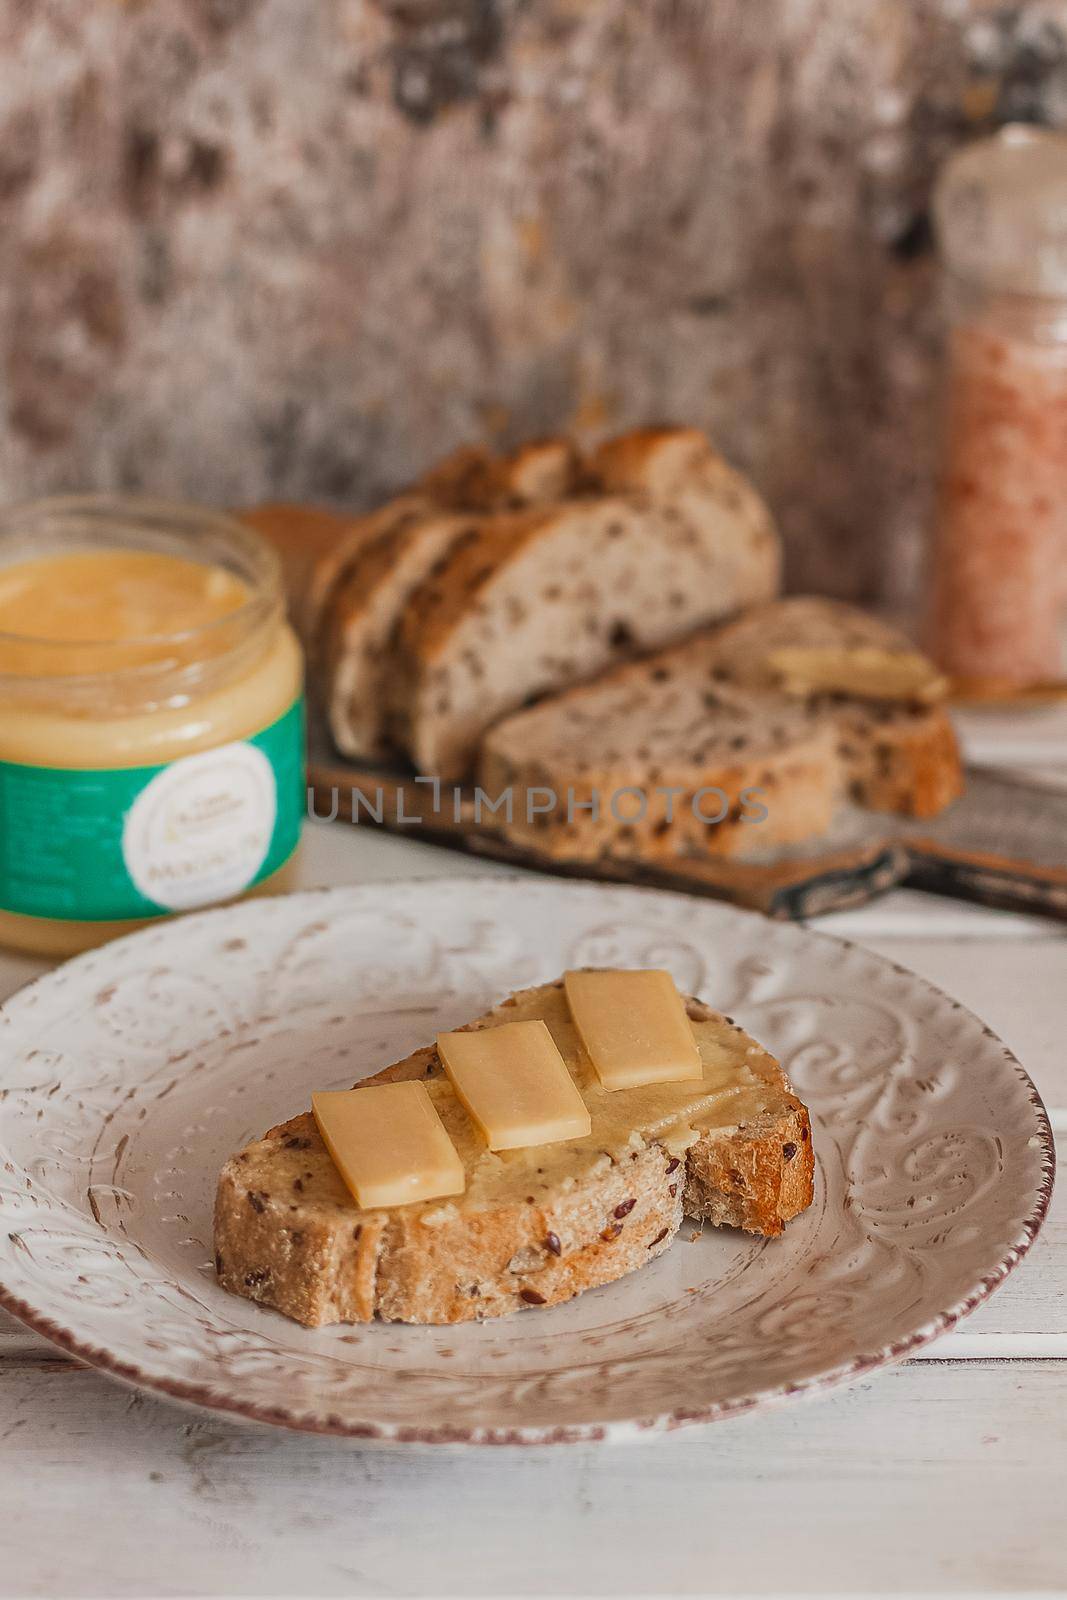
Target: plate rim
<point>205,1398</point>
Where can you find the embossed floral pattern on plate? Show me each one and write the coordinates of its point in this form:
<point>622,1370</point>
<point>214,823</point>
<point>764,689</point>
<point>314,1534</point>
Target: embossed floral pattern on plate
<point>129,1075</point>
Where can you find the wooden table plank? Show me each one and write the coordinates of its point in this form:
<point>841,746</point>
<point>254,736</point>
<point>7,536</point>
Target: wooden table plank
<point>910,914</point>
<point>921,1478</point>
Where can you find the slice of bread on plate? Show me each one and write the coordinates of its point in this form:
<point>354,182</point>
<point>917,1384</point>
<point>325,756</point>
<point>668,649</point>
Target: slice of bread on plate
<point>534,1226</point>
<point>741,739</point>
<point>544,598</point>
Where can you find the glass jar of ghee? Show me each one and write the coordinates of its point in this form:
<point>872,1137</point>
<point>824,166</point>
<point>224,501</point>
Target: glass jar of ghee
<point>151,718</point>
<point>998,602</point>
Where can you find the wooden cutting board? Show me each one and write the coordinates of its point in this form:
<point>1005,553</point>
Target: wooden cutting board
<point>1003,844</point>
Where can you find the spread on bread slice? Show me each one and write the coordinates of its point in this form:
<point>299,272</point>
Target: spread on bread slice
<point>534,1225</point>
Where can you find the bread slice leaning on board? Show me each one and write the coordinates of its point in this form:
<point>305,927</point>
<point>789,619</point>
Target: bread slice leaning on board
<point>736,727</point>
<point>541,599</point>
<point>535,1226</point>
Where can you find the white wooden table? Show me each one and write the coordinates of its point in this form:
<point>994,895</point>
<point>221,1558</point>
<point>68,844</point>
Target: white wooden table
<point>947,1474</point>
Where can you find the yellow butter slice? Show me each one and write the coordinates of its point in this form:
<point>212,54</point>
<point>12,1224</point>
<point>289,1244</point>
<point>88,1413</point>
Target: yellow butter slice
<point>633,1026</point>
<point>514,1084</point>
<point>388,1143</point>
<point>866,672</point>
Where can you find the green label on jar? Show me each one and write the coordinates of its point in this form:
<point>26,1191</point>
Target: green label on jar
<point>115,843</point>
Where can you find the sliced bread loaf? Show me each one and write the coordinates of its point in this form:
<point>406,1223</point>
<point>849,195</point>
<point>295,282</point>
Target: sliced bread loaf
<point>544,598</point>
<point>535,1226</point>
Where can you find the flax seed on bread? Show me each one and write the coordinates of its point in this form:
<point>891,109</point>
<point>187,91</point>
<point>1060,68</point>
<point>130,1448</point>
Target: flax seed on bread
<point>535,1227</point>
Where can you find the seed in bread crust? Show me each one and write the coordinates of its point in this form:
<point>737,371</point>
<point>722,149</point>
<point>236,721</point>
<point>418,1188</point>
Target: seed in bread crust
<point>672,1166</point>
<point>625,1208</point>
<point>661,1235</point>
<point>789,1151</point>
<point>258,1202</point>
<point>531,1297</point>
<point>552,1244</point>
<point>611,1232</point>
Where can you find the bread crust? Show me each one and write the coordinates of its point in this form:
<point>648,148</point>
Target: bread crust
<point>656,459</point>
<point>473,478</point>
<point>360,626</point>
<point>914,766</point>
<point>321,1259</point>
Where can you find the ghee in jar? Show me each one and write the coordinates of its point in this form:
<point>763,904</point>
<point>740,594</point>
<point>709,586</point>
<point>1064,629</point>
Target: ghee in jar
<point>151,718</point>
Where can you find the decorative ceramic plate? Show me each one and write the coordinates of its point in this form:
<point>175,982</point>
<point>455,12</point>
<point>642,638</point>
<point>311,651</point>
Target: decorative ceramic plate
<point>128,1076</point>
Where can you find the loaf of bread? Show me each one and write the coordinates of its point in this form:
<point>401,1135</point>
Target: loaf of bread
<point>706,748</point>
<point>535,1226</point>
<point>542,599</point>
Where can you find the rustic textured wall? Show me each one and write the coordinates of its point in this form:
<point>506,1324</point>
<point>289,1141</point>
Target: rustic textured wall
<point>256,247</point>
